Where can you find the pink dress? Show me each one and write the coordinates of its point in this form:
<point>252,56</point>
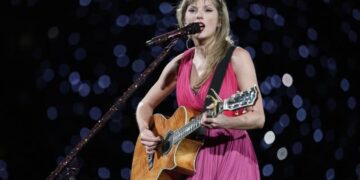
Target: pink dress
<point>227,153</point>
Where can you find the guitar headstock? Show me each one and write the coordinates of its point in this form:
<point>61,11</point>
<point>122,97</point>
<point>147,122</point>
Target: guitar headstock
<point>241,99</point>
<point>236,101</point>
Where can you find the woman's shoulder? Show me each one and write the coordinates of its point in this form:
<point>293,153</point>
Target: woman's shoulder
<point>188,54</point>
<point>240,54</point>
<point>240,57</point>
<point>180,58</point>
<point>184,56</point>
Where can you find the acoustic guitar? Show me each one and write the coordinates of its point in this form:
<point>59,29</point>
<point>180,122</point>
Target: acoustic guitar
<point>176,154</point>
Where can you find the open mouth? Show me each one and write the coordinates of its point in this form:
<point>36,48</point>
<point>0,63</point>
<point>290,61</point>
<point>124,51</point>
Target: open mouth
<point>202,26</point>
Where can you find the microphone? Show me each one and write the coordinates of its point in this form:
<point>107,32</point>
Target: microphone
<point>191,28</point>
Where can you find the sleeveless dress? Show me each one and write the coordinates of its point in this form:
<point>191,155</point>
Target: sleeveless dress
<point>227,154</point>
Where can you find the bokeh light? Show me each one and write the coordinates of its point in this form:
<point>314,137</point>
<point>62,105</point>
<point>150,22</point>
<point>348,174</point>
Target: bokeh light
<point>66,70</point>
<point>269,137</point>
<point>104,173</point>
<point>267,170</point>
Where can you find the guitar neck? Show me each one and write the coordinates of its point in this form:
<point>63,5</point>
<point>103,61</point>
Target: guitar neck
<point>236,101</point>
<point>189,128</point>
<point>195,123</point>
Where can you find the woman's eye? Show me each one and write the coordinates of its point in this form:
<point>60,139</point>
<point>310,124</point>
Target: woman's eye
<point>191,10</point>
<point>208,10</point>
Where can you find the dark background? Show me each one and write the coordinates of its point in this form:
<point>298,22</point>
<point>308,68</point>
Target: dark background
<point>64,63</point>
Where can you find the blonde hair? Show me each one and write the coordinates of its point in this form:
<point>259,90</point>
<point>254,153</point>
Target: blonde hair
<point>221,37</point>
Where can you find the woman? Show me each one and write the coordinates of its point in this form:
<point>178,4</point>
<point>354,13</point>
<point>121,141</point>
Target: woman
<point>227,152</point>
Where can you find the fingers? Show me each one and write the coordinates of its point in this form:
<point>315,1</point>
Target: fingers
<point>211,106</point>
<point>208,122</point>
<point>150,138</point>
<point>208,126</point>
<point>150,146</point>
<point>147,135</point>
<point>149,141</point>
<point>150,149</point>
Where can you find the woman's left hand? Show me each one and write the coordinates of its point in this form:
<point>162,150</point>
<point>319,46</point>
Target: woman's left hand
<point>209,122</point>
<point>220,121</point>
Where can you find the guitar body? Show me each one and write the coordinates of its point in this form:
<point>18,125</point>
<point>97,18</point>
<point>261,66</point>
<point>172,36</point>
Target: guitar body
<point>177,160</point>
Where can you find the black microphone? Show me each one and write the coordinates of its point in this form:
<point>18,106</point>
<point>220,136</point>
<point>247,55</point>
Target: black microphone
<point>191,28</point>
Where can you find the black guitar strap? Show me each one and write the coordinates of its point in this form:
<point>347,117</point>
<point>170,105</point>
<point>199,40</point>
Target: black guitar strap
<point>218,76</point>
<point>215,84</point>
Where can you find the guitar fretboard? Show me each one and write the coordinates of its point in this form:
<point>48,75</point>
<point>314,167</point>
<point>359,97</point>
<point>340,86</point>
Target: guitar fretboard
<point>189,128</point>
<point>236,101</point>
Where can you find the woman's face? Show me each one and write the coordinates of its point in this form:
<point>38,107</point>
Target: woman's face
<point>203,11</point>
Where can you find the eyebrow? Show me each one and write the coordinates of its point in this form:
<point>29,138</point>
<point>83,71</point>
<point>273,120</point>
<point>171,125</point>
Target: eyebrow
<point>206,6</point>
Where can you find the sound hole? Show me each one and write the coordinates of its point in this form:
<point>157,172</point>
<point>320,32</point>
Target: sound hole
<point>167,143</point>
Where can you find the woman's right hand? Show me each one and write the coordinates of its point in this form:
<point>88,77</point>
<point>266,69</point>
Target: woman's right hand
<point>149,140</point>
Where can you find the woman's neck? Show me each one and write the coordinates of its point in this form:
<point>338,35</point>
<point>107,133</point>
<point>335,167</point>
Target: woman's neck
<point>202,48</point>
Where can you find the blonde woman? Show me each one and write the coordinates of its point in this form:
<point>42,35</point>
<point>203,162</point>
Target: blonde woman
<point>227,152</point>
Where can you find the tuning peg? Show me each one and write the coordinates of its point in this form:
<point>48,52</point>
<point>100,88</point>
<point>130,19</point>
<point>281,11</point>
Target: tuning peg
<point>244,111</point>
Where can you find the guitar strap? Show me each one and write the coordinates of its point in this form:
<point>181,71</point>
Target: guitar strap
<point>216,85</point>
<point>218,76</point>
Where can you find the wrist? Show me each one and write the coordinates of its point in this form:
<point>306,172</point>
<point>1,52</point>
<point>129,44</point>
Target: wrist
<point>141,129</point>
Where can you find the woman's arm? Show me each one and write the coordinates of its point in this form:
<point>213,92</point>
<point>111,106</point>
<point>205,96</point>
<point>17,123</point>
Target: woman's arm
<point>157,93</point>
<point>246,78</point>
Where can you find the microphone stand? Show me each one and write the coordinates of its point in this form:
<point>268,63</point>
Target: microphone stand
<point>72,164</point>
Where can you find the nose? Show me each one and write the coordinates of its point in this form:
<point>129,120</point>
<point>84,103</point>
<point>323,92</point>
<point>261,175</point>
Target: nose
<point>199,15</point>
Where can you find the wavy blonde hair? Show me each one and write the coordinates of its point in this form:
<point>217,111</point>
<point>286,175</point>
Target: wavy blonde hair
<point>221,41</point>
